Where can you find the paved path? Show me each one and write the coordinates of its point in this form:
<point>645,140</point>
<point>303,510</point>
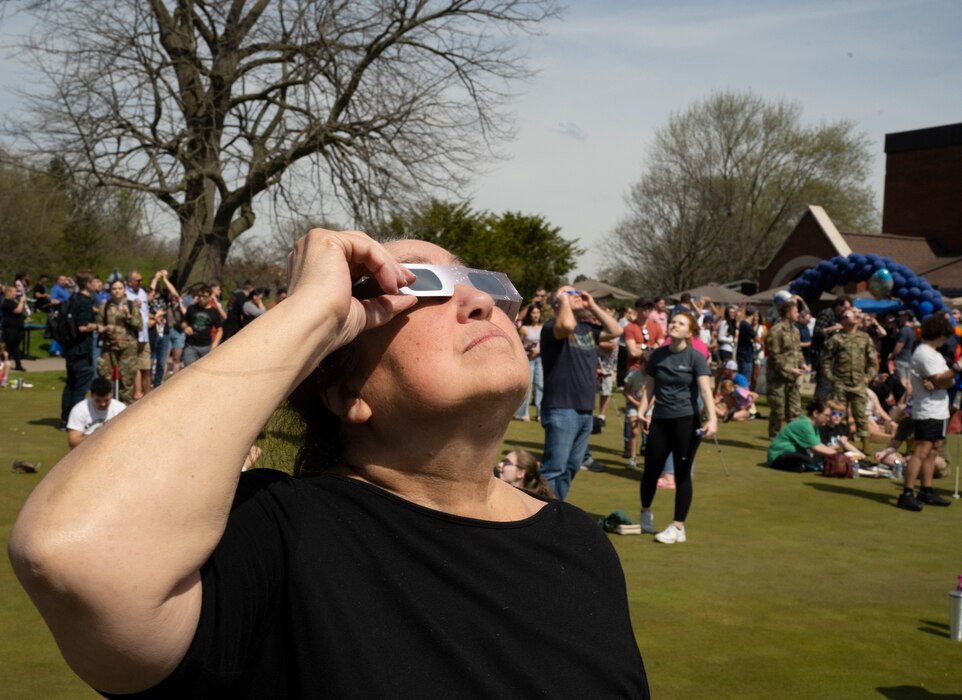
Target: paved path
<point>46,364</point>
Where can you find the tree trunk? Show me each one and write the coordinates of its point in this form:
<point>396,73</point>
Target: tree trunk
<point>201,256</point>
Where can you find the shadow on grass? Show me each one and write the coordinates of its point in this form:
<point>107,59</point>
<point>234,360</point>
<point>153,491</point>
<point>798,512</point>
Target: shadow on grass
<point>52,422</point>
<point>911,692</point>
<point>840,490</point>
<point>735,443</point>
<point>939,629</point>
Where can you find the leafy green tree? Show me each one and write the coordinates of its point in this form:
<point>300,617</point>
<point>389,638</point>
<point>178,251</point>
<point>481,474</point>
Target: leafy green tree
<point>725,182</point>
<point>525,247</point>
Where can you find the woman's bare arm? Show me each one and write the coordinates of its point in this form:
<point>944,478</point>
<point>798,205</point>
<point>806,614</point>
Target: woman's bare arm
<point>109,545</point>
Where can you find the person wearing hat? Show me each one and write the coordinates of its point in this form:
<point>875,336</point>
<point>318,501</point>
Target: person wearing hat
<point>730,371</point>
<point>785,366</point>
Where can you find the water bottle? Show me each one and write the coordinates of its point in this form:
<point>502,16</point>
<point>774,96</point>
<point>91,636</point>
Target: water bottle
<point>897,470</point>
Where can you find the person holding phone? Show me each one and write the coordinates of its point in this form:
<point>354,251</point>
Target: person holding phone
<point>569,355</point>
<point>677,376</point>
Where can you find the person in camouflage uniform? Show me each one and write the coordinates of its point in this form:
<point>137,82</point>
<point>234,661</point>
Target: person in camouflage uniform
<point>121,324</point>
<point>848,363</point>
<point>785,365</point>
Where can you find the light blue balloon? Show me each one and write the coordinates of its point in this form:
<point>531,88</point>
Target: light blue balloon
<point>880,283</point>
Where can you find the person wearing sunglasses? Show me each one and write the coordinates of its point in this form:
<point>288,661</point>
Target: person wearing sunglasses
<point>834,434</point>
<point>798,446</point>
<point>387,565</point>
<point>569,356</point>
<point>520,469</point>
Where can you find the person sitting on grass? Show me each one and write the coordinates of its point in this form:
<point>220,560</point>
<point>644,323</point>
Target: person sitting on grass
<point>87,416</point>
<point>390,565</point>
<point>520,469</point>
<point>835,433</point>
<point>735,403</point>
<point>798,447</point>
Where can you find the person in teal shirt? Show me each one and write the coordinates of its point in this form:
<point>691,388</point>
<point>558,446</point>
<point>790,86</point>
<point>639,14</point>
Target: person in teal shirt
<point>796,446</point>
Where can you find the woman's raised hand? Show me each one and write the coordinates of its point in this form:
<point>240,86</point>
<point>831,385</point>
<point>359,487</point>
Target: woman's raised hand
<point>323,267</point>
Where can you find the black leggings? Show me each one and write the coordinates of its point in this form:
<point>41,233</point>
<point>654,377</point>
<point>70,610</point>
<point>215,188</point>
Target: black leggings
<point>677,436</point>
<point>12,338</point>
<point>796,462</point>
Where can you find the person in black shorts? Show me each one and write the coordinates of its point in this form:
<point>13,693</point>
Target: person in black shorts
<point>931,377</point>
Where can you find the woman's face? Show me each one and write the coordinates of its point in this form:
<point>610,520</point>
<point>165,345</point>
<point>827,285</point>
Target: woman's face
<point>679,327</point>
<point>535,315</point>
<point>117,291</point>
<point>730,313</point>
<point>445,354</point>
<point>823,417</point>
<point>509,471</point>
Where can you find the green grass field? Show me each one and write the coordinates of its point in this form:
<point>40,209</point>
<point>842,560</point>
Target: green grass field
<point>790,586</point>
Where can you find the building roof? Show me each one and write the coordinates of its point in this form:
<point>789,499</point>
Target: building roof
<point>913,252</point>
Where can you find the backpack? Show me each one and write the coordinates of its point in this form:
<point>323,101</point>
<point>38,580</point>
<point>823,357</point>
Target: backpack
<point>838,465</point>
<point>61,322</point>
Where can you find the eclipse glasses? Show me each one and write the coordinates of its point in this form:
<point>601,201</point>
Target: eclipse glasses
<point>440,280</point>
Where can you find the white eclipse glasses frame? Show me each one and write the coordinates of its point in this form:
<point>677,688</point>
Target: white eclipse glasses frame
<point>440,280</point>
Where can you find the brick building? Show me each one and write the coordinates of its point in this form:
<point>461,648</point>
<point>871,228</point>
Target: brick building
<point>921,219</point>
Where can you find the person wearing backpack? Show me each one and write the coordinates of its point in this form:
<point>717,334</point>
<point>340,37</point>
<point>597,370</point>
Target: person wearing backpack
<point>121,326</point>
<point>77,345</point>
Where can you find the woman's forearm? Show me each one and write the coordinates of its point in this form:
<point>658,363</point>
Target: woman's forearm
<point>135,497</point>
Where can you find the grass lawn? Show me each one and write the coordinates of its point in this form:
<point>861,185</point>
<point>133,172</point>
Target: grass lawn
<point>790,586</point>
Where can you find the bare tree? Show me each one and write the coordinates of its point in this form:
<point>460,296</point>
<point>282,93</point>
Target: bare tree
<point>206,104</point>
<point>725,183</point>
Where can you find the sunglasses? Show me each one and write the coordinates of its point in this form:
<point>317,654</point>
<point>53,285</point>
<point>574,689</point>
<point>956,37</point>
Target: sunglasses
<point>838,414</point>
<point>440,280</point>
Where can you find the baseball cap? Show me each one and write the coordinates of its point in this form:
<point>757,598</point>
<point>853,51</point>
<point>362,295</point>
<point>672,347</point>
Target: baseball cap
<point>731,364</point>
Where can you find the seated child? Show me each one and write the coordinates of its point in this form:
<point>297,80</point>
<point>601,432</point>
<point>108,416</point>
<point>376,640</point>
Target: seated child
<point>735,402</point>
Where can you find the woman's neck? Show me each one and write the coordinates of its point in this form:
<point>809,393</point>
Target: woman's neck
<point>678,344</point>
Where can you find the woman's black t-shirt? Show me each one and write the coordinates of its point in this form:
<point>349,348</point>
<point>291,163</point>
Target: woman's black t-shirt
<point>327,587</point>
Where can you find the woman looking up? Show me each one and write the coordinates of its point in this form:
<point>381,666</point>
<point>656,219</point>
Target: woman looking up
<point>530,333</point>
<point>677,375</point>
<point>389,567</point>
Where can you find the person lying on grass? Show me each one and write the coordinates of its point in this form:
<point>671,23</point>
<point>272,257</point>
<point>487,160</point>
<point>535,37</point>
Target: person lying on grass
<point>394,563</point>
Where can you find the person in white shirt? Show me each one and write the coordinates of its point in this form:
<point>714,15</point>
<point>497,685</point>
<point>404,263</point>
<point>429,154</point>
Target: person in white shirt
<point>87,416</point>
<point>930,376</point>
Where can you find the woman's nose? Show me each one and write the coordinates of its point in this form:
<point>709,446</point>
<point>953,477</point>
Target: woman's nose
<point>473,304</point>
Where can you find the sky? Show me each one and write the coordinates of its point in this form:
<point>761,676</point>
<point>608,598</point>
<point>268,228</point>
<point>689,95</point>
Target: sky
<point>612,72</point>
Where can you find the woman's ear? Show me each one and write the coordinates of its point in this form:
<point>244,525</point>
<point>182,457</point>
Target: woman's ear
<point>346,404</point>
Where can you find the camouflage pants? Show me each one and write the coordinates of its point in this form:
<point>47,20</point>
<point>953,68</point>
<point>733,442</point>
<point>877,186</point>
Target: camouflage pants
<point>784,404</point>
<point>126,359</point>
<point>856,402</point>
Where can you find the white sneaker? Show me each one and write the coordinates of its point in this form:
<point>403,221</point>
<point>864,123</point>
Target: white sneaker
<point>670,535</point>
<point>647,522</point>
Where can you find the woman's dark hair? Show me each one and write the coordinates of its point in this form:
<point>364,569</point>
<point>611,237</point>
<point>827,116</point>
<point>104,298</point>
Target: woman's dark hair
<point>526,321</point>
<point>816,405</point>
<point>322,442</point>
<point>937,326</point>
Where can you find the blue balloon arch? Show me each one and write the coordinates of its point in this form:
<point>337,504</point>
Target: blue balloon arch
<point>914,291</point>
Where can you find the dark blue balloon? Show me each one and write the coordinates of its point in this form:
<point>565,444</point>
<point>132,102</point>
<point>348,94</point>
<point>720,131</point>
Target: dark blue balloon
<point>914,292</point>
<point>901,292</point>
<point>927,295</point>
<point>898,280</point>
<point>926,308</point>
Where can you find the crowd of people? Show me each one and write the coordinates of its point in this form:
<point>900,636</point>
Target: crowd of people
<point>131,334</point>
<point>235,578</point>
<point>707,361</point>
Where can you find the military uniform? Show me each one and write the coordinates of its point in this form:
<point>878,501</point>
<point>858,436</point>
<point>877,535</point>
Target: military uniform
<point>120,345</point>
<point>849,362</point>
<point>784,355</point>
